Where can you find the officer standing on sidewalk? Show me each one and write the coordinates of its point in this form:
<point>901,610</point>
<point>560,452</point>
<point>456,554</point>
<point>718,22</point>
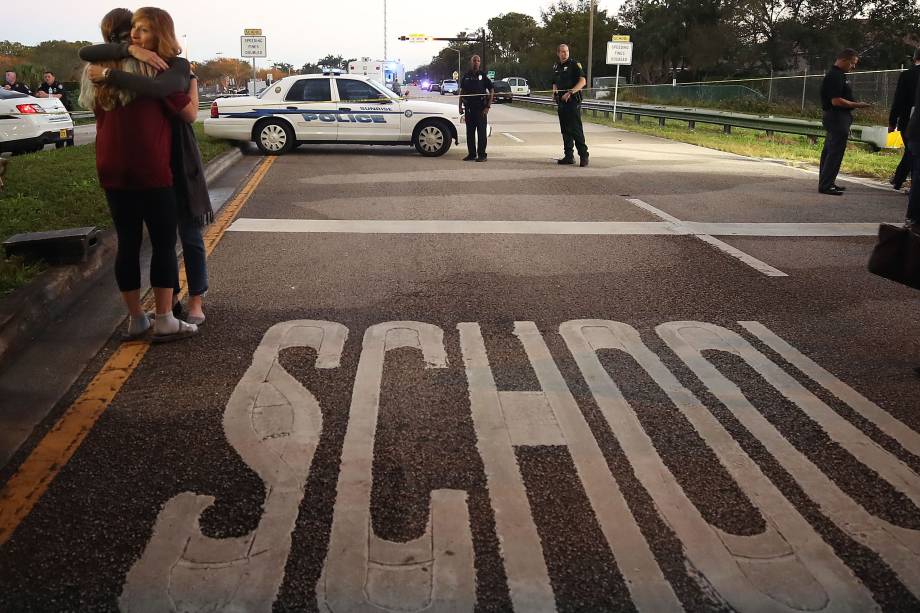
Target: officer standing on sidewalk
<point>838,102</point>
<point>901,109</point>
<point>568,81</point>
<point>476,92</point>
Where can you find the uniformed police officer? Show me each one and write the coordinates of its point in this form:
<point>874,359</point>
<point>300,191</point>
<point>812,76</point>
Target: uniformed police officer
<point>51,88</point>
<point>476,93</point>
<point>568,81</point>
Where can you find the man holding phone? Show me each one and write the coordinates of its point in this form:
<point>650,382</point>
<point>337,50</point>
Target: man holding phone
<point>838,102</point>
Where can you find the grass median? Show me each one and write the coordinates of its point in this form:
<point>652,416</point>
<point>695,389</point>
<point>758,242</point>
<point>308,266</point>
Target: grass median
<point>859,160</point>
<point>57,189</point>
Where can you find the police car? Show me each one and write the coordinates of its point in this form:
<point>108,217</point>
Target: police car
<point>28,123</point>
<point>333,108</point>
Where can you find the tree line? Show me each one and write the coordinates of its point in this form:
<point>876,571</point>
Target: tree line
<point>687,40</point>
<point>694,40</point>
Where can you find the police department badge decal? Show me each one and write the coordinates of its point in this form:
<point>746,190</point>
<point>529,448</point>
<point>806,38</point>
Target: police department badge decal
<point>408,114</point>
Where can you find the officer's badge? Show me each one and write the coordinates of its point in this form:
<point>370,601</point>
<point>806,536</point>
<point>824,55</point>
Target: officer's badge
<point>480,77</point>
<point>579,65</point>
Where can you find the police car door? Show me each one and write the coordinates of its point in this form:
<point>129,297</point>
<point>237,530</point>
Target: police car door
<point>365,113</point>
<point>310,108</point>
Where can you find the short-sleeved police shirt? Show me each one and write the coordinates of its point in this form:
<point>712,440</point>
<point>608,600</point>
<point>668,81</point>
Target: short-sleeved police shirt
<point>51,90</point>
<point>475,82</point>
<point>22,88</point>
<point>566,74</point>
<point>835,85</point>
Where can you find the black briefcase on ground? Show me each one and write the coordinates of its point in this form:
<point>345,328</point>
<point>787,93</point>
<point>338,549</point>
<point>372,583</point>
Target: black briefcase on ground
<point>896,255</point>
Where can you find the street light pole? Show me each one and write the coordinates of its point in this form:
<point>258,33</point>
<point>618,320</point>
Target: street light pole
<point>385,30</point>
<point>590,40</point>
<point>459,71</point>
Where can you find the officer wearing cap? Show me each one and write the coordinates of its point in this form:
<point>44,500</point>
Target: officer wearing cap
<point>568,81</point>
<point>476,92</point>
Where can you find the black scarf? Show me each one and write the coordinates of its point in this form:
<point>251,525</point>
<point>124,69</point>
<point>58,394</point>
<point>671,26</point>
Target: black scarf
<point>188,175</point>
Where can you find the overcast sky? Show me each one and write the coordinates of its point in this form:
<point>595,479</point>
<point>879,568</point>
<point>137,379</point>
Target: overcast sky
<point>297,31</point>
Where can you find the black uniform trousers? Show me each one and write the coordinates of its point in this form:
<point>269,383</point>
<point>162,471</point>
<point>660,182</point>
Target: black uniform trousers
<point>573,134</point>
<point>837,125</point>
<point>905,166</point>
<point>476,128</point>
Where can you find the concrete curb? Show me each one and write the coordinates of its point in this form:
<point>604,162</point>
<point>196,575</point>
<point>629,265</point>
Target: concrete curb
<point>31,308</point>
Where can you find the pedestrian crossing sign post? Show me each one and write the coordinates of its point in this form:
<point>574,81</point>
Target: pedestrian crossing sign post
<point>619,53</point>
<point>253,45</point>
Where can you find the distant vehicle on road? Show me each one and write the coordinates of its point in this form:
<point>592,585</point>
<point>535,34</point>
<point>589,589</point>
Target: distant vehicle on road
<point>381,71</point>
<point>28,124</point>
<point>502,92</point>
<point>518,85</point>
<point>434,87</point>
<point>333,108</point>
<point>449,86</point>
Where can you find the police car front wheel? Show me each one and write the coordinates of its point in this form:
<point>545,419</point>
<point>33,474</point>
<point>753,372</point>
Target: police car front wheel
<point>432,140</point>
<point>274,137</point>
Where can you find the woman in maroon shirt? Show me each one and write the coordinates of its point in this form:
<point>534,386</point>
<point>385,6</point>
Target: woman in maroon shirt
<point>133,150</point>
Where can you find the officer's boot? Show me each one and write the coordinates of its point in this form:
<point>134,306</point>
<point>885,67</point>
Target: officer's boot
<point>568,160</point>
<point>583,160</point>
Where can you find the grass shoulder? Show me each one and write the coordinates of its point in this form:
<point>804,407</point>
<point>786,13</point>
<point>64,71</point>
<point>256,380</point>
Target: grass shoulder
<point>57,189</point>
<point>859,160</point>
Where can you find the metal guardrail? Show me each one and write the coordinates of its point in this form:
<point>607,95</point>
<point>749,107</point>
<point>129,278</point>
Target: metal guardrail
<point>203,105</point>
<point>874,136</point>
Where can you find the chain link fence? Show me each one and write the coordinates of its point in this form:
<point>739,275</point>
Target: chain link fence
<point>788,95</point>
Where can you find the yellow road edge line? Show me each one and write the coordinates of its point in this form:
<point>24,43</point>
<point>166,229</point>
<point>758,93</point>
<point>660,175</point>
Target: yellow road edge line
<point>23,490</point>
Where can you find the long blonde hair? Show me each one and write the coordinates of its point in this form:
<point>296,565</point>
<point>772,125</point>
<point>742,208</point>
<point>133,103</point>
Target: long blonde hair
<point>116,28</point>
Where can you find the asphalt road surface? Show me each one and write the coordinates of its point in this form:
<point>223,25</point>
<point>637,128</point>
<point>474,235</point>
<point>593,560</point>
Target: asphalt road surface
<point>663,381</point>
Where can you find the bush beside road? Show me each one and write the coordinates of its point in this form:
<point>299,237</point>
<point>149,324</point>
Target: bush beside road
<point>57,189</point>
<point>859,160</point>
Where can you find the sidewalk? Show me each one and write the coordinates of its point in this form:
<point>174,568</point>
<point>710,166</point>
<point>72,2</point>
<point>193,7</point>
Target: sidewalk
<point>33,383</point>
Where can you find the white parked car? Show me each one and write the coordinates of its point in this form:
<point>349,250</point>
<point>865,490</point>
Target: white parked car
<point>333,108</point>
<point>28,123</point>
<point>519,86</point>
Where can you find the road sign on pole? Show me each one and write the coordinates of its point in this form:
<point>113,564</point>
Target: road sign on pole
<point>491,74</point>
<point>252,32</point>
<point>456,75</point>
<point>619,53</point>
<point>253,46</point>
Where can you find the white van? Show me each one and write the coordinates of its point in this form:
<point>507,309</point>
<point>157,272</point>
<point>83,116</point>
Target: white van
<point>519,86</point>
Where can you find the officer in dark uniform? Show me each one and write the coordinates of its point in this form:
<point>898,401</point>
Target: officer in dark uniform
<point>476,93</point>
<point>568,81</point>
<point>14,85</point>
<point>838,102</point>
<point>901,109</point>
<point>51,88</point>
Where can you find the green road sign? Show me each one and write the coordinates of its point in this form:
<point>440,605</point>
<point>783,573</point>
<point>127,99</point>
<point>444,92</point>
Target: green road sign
<point>491,74</point>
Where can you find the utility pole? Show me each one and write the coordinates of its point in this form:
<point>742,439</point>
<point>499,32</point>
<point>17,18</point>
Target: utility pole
<point>384,30</point>
<point>590,40</point>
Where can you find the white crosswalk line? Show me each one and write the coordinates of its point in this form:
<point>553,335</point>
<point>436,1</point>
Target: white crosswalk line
<point>722,246</point>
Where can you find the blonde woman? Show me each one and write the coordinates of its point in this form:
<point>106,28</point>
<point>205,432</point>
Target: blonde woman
<point>133,152</point>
